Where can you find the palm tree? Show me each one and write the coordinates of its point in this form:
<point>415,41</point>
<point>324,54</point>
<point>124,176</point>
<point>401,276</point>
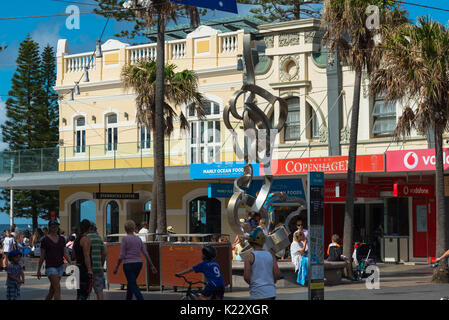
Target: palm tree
<point>348,35</point>
<point>181,88</point>
<point>415,68</point>
<point>149,14</point>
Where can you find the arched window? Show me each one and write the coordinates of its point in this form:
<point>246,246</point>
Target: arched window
<point>112,220</point>
<point>292,125</point>
<point>80,210</point>
<point>80,135</point>
<point>111,132</point>
<point>205,215</point>
<point>205,140</point>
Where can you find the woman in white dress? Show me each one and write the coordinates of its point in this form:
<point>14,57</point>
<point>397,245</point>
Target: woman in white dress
<point>298,251</point>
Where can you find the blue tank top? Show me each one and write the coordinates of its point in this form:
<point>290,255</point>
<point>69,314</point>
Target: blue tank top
<point>262,280</point>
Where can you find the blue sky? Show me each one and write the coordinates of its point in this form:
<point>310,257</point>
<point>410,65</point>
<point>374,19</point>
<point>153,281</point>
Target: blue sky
<point>50,29</point>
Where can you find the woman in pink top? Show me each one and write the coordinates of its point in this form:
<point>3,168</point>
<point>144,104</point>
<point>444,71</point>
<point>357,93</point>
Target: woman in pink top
<point>130,252</point>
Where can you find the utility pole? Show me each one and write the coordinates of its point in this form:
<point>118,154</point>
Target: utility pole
<point>11,198</point>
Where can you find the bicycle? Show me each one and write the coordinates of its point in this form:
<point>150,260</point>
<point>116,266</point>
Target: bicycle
<point>190,293</point>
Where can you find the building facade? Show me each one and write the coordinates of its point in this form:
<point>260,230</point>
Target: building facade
<point>103,149</point>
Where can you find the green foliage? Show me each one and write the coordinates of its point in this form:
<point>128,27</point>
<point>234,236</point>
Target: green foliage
<point>32,123</point>
<point>284,10</point>
<point>172,12</point>
<point>180,88</point>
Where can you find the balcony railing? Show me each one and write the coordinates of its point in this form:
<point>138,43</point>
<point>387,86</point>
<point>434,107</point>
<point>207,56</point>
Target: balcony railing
<point>102,156</point>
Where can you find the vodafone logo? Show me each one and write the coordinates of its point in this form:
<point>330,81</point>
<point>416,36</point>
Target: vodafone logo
<point>410,160</point>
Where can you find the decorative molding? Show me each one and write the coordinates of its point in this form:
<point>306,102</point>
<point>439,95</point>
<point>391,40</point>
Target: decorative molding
<point>323,134</point>
<point>289,68</point>
<point>291,84</point>
<point>288,39</point>
<point>203,31</point>
<point>344,134</point>
<point>113,44</point>
<point>313,36</point>
<point>365,84</point>
<point>269,41</point>
<point>63,48</point>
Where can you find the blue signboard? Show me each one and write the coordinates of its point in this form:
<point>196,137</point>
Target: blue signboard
<point>221,5</point>
<point>220,170</point>
<point>292,187</point>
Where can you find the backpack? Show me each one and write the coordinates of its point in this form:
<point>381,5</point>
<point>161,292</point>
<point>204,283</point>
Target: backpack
<point>334,253</point>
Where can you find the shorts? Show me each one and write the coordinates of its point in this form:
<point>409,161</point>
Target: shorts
<point>51,271</point>
<point>213,292</point>
<point>12,292</point>
<point>98,284</point>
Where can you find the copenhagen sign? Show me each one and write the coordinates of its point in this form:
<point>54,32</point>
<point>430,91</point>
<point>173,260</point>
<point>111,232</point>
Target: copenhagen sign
<point>414,160</point>
<point>365,163</point>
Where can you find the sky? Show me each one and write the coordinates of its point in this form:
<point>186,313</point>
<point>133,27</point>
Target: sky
<point>48,30</point>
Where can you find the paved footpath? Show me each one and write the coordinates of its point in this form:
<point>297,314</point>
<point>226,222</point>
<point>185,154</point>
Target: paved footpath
<point>397,282</point>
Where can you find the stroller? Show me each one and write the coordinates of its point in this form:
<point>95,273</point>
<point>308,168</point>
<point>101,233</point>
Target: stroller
<point>363,257</point>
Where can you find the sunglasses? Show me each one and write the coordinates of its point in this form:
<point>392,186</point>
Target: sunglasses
<point>299,225</point>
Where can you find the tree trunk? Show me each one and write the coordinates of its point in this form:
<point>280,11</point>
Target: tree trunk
<point>159,159</point>
<point>153,213</point>
<point>35,223</point>
<point>352,156</point>
<point>440,274</point>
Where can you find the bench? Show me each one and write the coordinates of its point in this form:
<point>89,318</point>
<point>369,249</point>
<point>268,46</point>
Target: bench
<point>333,271</point>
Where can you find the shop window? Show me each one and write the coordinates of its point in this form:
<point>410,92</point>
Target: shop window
<point>205,215</point>
<point>205,135</point>
<point>80,135</point>
<point>80,210</point>
<point>384,117</point>
<point>112,220</point>
<point>292,125</point>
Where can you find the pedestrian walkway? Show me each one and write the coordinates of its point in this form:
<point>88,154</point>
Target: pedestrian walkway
<point>397,282</point>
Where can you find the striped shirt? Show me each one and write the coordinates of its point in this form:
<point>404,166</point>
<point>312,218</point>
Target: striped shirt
<point>96,246</point>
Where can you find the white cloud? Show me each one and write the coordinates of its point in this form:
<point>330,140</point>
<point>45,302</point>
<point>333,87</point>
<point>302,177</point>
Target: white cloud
<point>46,34</point>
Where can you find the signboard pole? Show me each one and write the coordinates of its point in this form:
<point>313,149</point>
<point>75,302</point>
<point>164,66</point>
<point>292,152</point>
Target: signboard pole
<point>315,218</point>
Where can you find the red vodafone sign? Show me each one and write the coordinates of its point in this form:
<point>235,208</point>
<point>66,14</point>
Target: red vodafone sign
<point>414,160</point>
<point>365,163</point>
<point>412,190</point>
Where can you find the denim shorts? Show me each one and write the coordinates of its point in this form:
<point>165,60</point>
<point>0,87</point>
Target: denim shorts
<point>55,271</point>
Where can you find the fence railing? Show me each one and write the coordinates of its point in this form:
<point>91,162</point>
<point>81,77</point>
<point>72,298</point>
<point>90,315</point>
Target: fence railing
<point>78,62</point>
<point>142,52</point>
<point>178,152</point>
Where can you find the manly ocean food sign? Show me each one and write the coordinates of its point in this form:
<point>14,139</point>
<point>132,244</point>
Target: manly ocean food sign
<point>220,170</point>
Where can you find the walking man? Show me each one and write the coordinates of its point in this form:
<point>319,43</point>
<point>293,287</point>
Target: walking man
<point>98,257</point>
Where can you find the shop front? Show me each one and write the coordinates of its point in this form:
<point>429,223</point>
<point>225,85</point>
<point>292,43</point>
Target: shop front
<point>417,190</point>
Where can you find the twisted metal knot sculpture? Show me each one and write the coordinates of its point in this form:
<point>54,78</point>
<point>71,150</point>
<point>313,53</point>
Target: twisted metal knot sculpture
<point>255,121</point>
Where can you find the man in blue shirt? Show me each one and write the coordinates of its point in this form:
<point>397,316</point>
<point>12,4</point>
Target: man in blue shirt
<point>214,290</point>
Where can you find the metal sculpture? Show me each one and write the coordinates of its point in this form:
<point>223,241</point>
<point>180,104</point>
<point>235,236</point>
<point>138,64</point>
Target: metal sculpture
<point>255,124</point>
